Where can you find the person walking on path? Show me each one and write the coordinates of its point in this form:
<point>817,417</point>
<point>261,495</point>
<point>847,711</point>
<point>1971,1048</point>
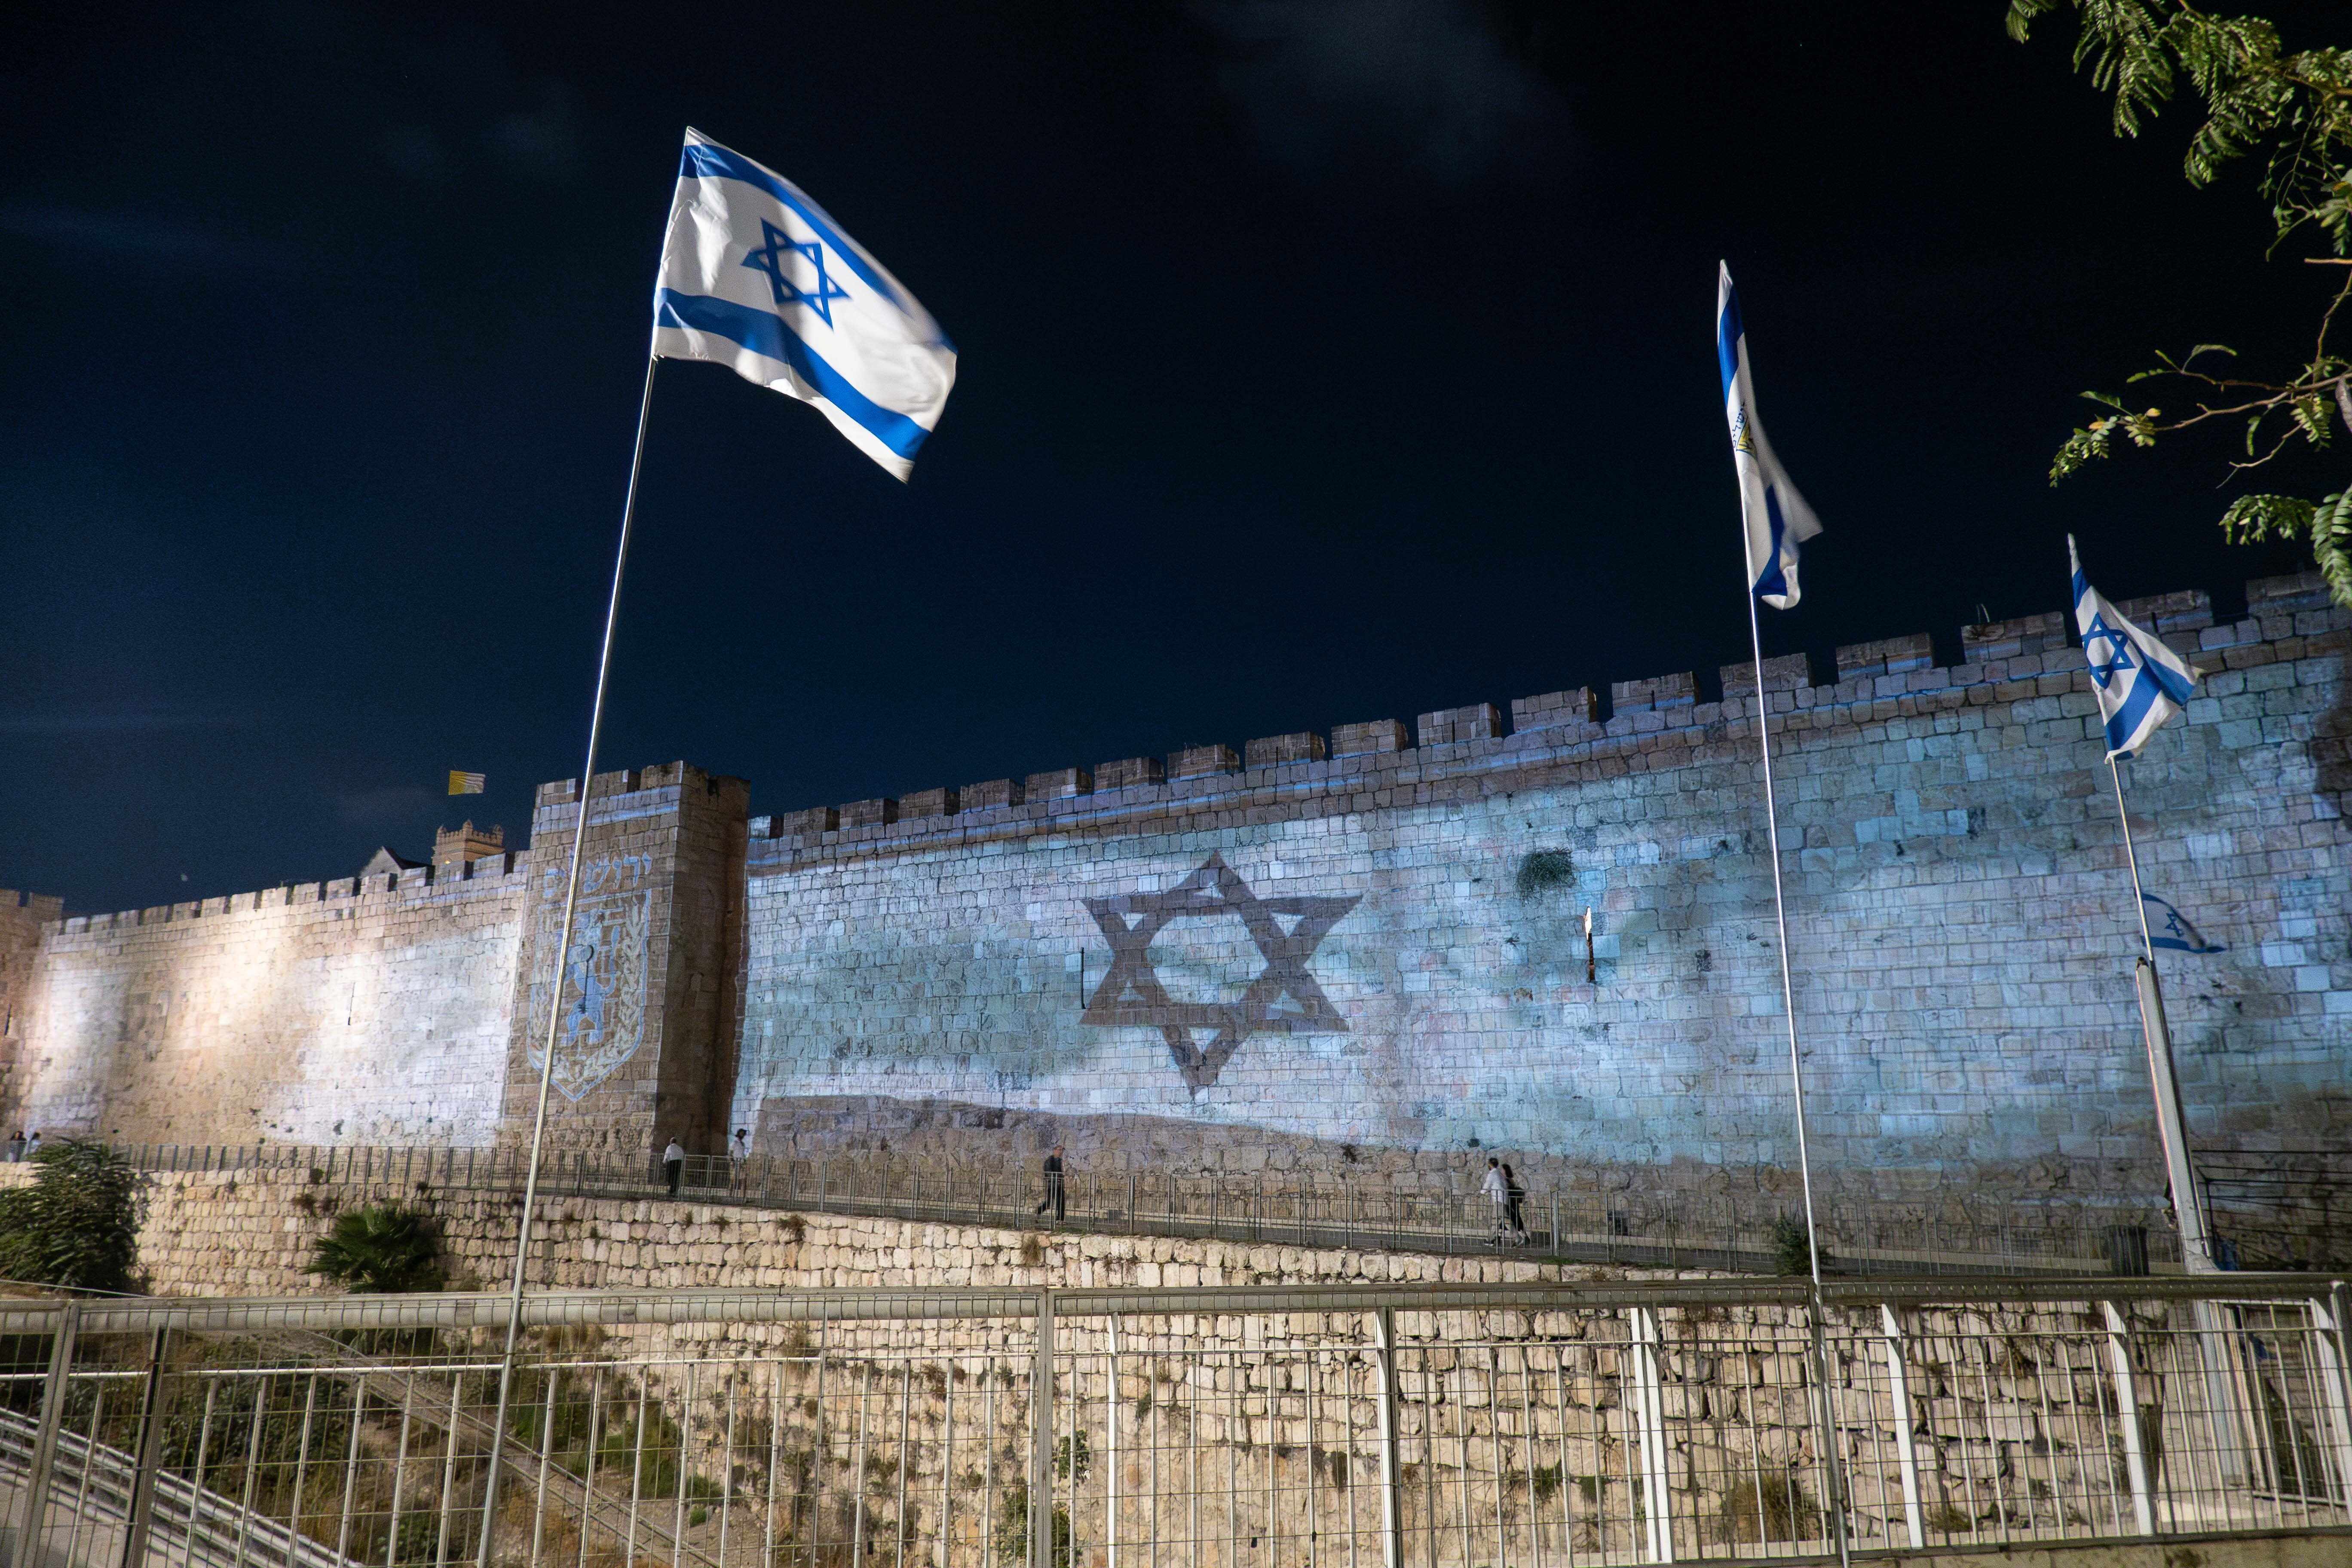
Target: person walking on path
<point>673,1166</point>
<point>1055,1196</point>
<point>33,1147</point>
<point>1514,1195</point>
<point>1497,1192</point>
<point>16,1146</point>
<point>742,1153</point>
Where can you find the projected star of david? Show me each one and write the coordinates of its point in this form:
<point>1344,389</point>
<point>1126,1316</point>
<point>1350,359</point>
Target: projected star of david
<point>770,258</point>
<point>1282,1000</point>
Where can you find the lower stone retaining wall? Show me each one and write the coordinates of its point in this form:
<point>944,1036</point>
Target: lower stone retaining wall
<point>250,1233</point>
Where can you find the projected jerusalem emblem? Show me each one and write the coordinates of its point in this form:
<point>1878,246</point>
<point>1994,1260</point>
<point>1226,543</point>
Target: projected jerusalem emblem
<point>1284,998</point>
<point>603,1007</point>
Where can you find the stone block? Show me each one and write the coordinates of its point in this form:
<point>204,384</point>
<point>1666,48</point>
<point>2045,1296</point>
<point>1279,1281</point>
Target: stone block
<point>2187,611</point>
<point>1366,740</point>
<point>1655,694</point>
<point>1274,751</point>
<point>1127,773</point>
<point>1552,710</point>
<point>992,795</point>
<point>1061,783</point>
<point>1887,656</point>
<point>815,819</point>
<point>940,802</point>
<point>1200,761</point>
<point>869,812</point>
<point>2009,639</point>
<point>1789,672</point>
<point>1450,726</point>
<point>2281,595</point>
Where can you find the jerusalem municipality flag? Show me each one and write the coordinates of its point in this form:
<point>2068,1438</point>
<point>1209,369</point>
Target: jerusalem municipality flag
<point>754,275</point>
<point>2140,682</point>
<point>1777,517</point>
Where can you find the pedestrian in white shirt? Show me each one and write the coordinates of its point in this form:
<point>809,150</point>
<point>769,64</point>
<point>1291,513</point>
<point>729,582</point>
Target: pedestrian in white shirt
<point>673,1166</point>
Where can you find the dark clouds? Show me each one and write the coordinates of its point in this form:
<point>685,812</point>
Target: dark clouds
<point>1426,85</point>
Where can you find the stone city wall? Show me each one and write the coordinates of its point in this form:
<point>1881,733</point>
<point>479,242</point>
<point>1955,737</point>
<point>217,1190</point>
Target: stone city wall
<point>331,1011</point>
<point>1378,955</point>
<point>1362,949</point>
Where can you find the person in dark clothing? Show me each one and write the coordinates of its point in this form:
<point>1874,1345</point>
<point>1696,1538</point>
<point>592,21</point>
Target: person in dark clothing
<point>1514,1195</point>
<point>673,1166</point>
<point>1055,1194</point>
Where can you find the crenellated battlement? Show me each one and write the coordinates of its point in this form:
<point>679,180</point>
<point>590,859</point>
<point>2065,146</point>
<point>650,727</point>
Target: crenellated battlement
<point>475,878</point>
<point>2003,660</point>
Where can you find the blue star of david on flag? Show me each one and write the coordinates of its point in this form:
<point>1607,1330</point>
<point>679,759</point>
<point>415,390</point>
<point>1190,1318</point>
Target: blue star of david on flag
<point>757,278</point>
<point>2139,680</point>
<point>2167,927</point>
<point>769,258</point>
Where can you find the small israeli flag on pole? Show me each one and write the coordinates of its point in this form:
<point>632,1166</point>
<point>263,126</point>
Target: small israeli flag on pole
<point>2168,928</point>
<point>2140,682</point>
<point>1777,517</point>
<point>755,276</point>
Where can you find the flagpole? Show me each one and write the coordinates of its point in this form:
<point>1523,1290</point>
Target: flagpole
<point>1831,1468</point>
<point>2171,1127</point>
<point>562,957</point>
<point>1780,915</point>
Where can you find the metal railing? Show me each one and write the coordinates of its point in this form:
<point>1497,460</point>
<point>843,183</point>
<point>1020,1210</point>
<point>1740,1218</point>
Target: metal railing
<point>1672,1231</point>
<point>1723,1420</point>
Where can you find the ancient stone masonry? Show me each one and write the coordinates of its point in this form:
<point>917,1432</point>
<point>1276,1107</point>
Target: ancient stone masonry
<point>365,1008</point>
<point>1373,953</point>
<point>21,919</point>
<point>644,1046</point>
<point>1362,947</point>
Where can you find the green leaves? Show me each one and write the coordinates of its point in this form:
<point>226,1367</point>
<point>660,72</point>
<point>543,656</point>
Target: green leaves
<point>2324,524</point>
<point>78,1225</point>
<point>383,1248</point>
<point>2294,110</point>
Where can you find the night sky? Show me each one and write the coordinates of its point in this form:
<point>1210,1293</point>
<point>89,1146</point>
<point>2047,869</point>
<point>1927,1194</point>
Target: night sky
<point>1319,361</point>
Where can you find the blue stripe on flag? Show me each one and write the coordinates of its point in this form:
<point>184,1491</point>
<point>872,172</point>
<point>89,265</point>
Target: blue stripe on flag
<point>1728,331</point>
<point>2136,702</point>
<point>765,334</point>
<point>2175,685</point>
<point>1773,579</point>
<point>707,160</point>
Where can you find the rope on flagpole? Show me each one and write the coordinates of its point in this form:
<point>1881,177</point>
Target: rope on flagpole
<point>562,957</point>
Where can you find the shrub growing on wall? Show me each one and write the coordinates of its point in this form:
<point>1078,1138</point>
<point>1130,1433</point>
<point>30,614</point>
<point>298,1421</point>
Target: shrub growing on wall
<point>77,1224</point>
<point>381,1249</point>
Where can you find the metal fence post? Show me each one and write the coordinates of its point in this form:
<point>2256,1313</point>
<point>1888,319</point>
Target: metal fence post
<point>1110,1420</point>
<point>2335,1393</point>
<point>1650,1418</point>
<point>45,1441</point>
<point>1898,1389</point>
<point>1384,1363</point>
<point>1041,1440</point>
<point>2127,1414</point>
<point>150,1442</point>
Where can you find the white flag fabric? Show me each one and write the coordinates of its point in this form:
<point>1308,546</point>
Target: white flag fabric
<point>2140,682</point>
<point>1777,517</point>
<point>754,275</point>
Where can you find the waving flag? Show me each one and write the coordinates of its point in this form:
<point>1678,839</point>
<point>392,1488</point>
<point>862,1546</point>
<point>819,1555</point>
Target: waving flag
<point>2140,682</point>
<point>2167,927</point>
<point>754,275</point>
<point>1777,517</point>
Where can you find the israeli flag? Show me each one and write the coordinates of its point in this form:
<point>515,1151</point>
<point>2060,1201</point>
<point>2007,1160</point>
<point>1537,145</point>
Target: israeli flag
<point>2141,683</point>
<point>754,275</point>
<point>1777,517</point>
<point>2167,927</point>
